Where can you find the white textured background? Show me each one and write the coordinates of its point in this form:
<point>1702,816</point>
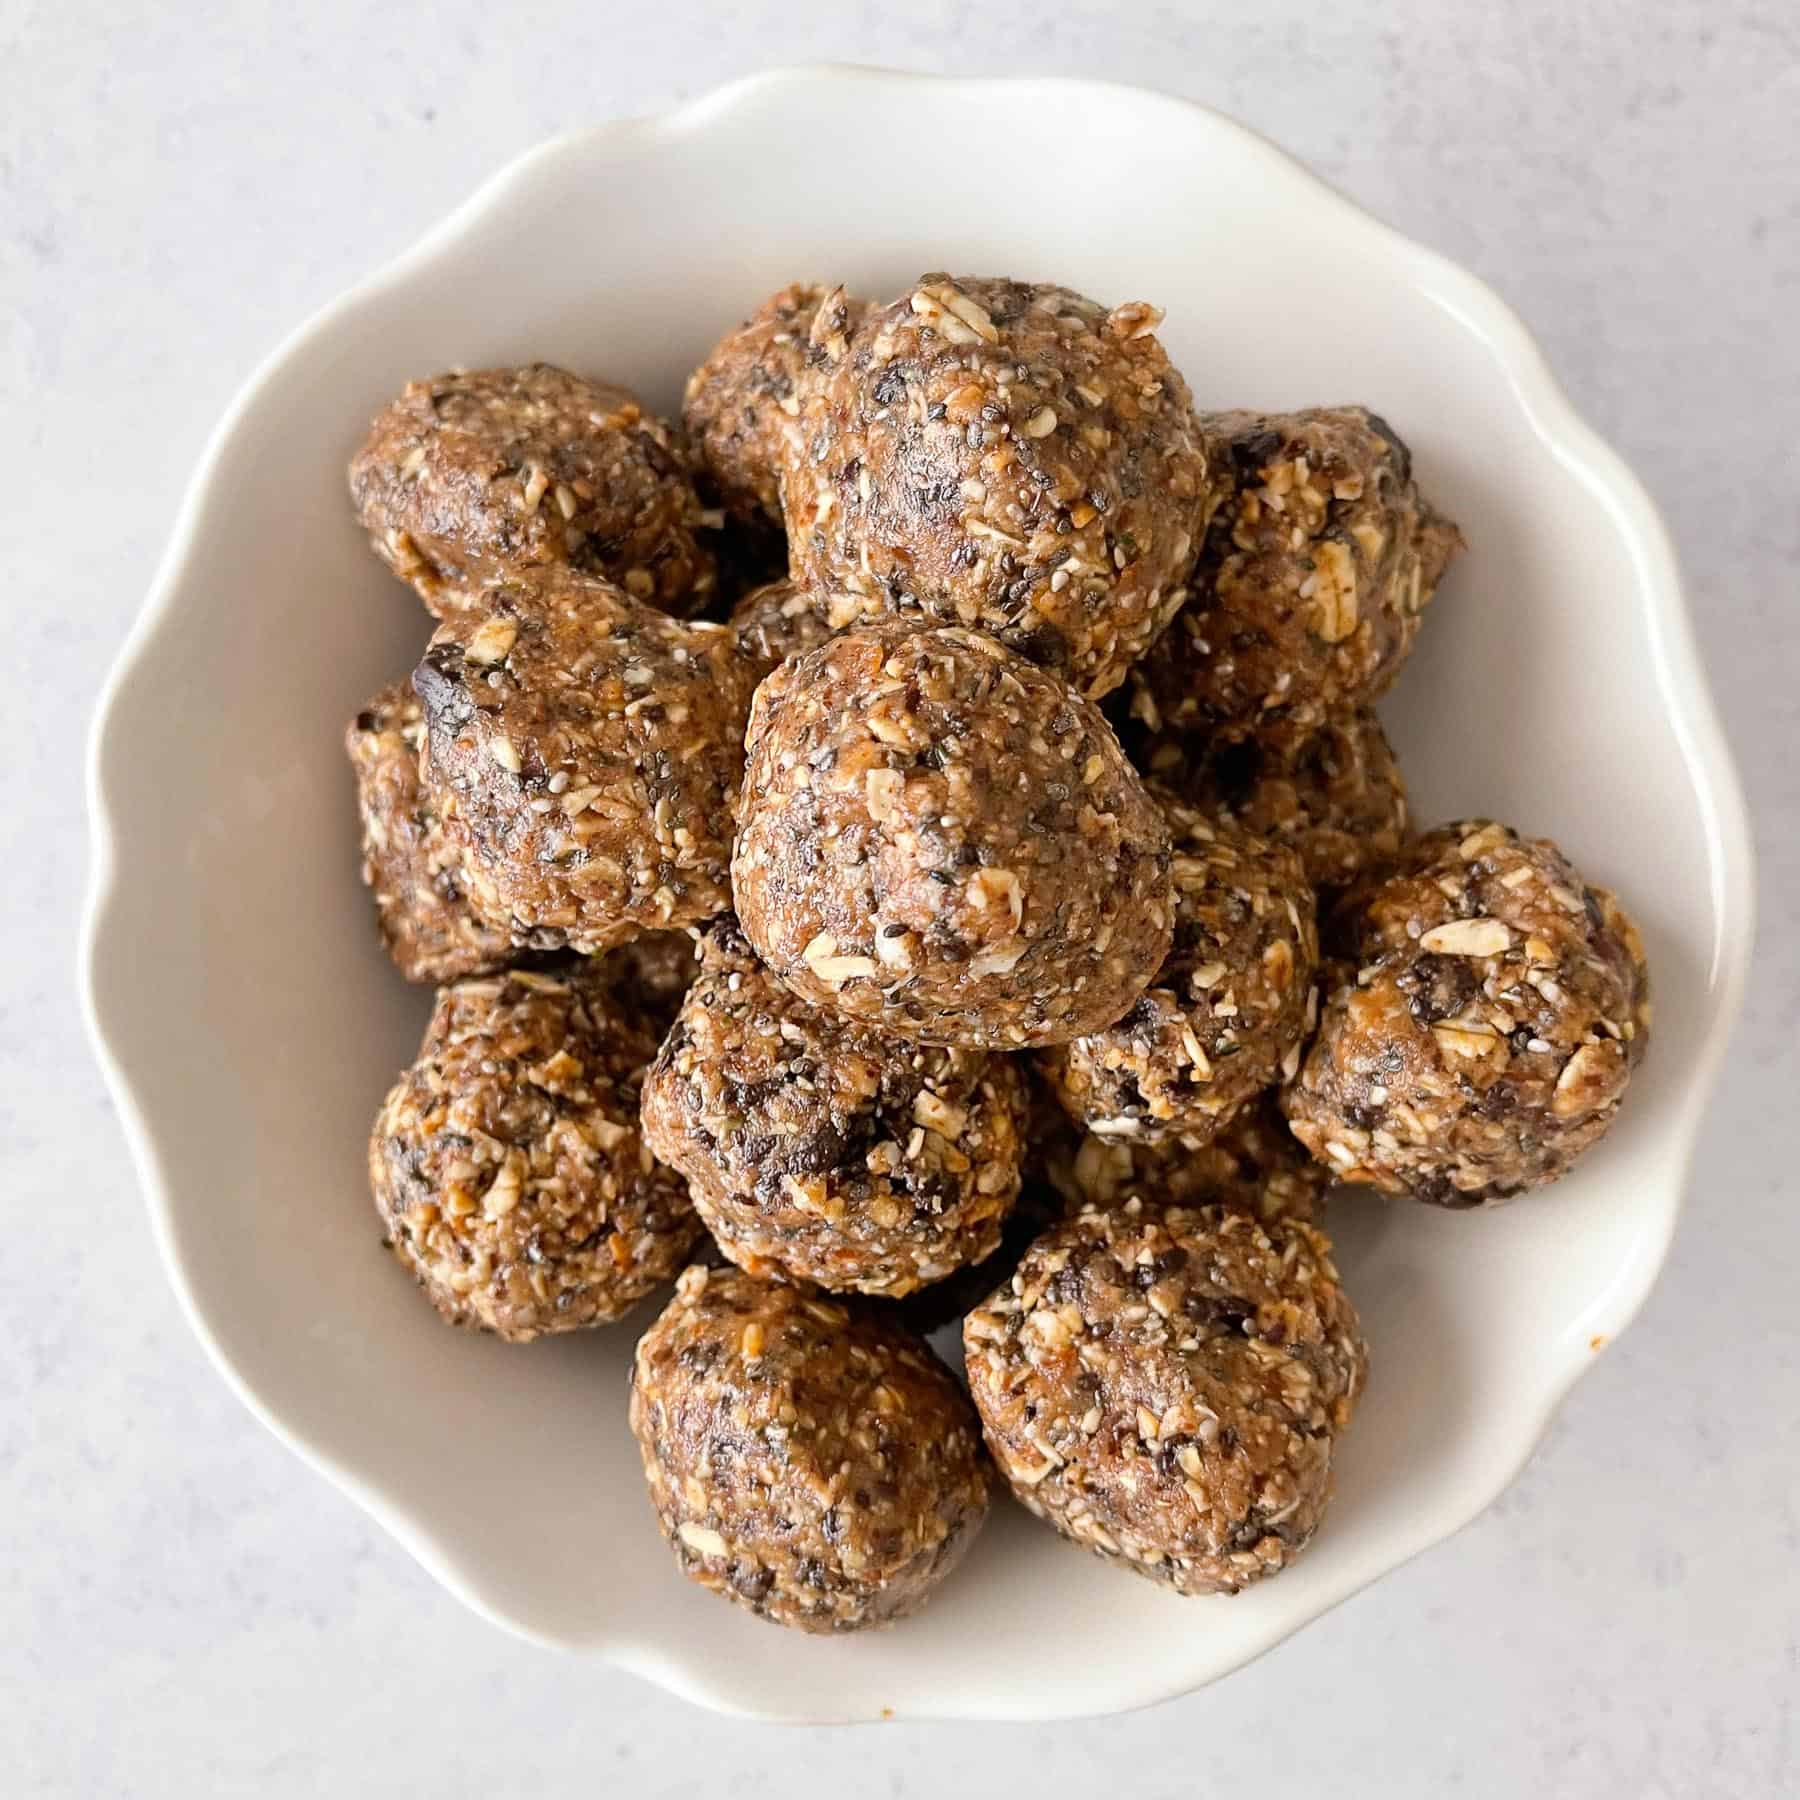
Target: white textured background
<point>183,1609</point>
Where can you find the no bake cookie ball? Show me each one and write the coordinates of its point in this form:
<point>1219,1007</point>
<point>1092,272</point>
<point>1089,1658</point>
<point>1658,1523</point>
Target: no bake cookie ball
<point>817,1149</point>
<point>490,472</point>
<point>1008,456</point>
<point>942,840</point>
<point>588,749</point>
<point>815,1465</point>
<point>1490,1011</point>
<point>1311,583</point>
<point>508,1166</point>
<point>1166,1386</point>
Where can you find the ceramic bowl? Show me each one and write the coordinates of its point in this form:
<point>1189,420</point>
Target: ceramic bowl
<point>249,1023</point>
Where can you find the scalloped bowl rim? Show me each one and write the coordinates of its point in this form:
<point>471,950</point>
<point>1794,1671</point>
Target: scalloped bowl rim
<point>1679,676</point>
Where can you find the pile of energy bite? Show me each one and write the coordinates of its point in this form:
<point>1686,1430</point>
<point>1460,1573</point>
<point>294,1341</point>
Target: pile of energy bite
<point>918,827</point>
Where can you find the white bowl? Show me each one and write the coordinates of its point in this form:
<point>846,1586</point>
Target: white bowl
<point>249,1024</point>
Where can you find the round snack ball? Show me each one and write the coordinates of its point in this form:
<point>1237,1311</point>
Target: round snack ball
<point>490,472</point>
<point>1309,587</point>
<point>1229,1007</point>
<point>1165,1386</point>
<point>743,402</point>
<point>819,1150</point>
<point>508,1166</point>
<point>818,1466</point>
<point>587,751</point>
<point>776,621</point>
<point>942,840</point>
<point>1338,800</point>
<point>1008,456</point>
<point>412,864</point>
<point>1486,1033</point>
<point>1253,1163</point>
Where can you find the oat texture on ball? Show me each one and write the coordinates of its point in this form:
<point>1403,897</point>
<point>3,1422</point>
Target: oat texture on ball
<point>1311,583</point>
<point>819,1150</point>
<point>742,408</point>
<point>944,841</point>
<point>1253,1163</point>
<point>588,749</point>
<point>1009,456</point>
<point>508,1167</point>
<point>815,1465</point>
<point>489,472</point>
<point>413,865</point>
<point>1493,1007</point>
<point>1226,1013</point>
<point>1337,800</point>
<point>1166,1387</point>
<point>778,620</point>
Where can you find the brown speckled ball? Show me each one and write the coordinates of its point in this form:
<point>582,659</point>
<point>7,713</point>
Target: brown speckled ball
<point>1008,456</point>
<point>588,751</point>
<point>818,1466</point>
<point>743,402</point>
<point>1165,1387</point>
<point>1485,1033</point>
<point>507,1163</point>
<point>1338,800</point>
<point>413,866</point>
<point>818,1150</point>
<point>1309,589</point>
<point>1226,1013</point>
<point>776,621</point>
<point>941,840</point>
<point>491,472</point>
<point>1253,1163</point>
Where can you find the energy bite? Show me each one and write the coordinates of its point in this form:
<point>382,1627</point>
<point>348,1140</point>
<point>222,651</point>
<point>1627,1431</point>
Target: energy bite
<point>943,841</point>
<point>1165,1386</point>
<point>1226,1013</point>
<point>1310,585</point>
<point>412,865</point>
<point>508,1167</point>
<point>817,1466</point>
<point>1497,1008</point>
<point>1338,800</point>
<point>776,621</point>
<point>485,473</point>
<point>743,402</point>
<point>818,1150</point>
<point>1252,1164</point>
<point>587,750</point>
<point>1009,456</point>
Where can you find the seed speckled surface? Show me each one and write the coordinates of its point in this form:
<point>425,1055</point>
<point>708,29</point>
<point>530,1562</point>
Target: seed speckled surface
<point>490,472</point>
<point>1226,1012</point>
<point>1337,800</point>
<point>1008,456</point>
<point>1252,1163</point>
<point>589,749</point>
<point>814,1464</point>
<point>1165,1386</point>
<point>412,865</point>
<point>1486,1024</point>
<point>942,840</point>
<point>776,621</point>
<point>1311,582</point>
<point>508,1166</point>
<point>817,1149</point>
<point>743,402</point>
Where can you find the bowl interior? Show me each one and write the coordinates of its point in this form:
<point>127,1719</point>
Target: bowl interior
<point>252,1024</point>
